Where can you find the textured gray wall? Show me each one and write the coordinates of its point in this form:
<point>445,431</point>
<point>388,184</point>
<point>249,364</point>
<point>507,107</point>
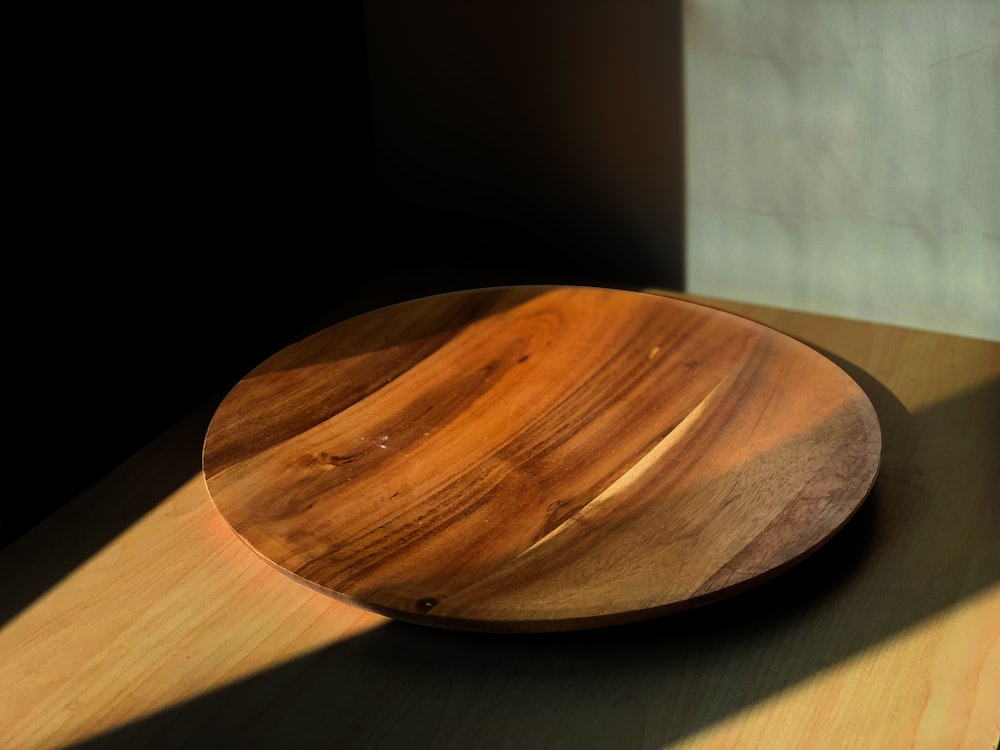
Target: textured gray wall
<point>844,158</point>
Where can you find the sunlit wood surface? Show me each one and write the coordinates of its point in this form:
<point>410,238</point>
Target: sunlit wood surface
<point>540,458</point>
<point>136,618</point>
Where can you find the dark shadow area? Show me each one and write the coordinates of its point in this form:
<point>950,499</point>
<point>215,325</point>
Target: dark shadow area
<point>184,224</point>
<point>653,682</point>
<point>203,190</point>
<point>544,136</point>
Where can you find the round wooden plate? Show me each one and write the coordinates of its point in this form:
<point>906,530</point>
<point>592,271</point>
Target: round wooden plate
<point>540,458</point>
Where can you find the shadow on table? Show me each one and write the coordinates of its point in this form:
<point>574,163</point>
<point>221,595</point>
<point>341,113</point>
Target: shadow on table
<point>651,683</point>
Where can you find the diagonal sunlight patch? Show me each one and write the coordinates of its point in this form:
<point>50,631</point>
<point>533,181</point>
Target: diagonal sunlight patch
<point>956,707</point>
<point>140,634</point>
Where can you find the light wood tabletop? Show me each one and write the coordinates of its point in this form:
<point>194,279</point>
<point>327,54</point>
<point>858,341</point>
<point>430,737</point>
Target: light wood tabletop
<point>135,617</point>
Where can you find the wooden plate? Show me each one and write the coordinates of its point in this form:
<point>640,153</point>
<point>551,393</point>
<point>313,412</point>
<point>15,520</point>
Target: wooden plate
<point>538,458</point>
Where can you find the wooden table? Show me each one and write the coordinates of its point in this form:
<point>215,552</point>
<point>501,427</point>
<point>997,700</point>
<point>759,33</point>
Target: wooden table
<point>134,617</point>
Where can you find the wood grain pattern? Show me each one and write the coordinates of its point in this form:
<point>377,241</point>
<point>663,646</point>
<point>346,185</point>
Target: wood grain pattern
<point>540,458</point>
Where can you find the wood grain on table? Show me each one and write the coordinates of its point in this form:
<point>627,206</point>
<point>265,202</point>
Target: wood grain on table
<point>135,617</point>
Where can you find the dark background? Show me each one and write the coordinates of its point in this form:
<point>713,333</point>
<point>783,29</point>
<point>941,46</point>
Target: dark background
<point>201,191</point>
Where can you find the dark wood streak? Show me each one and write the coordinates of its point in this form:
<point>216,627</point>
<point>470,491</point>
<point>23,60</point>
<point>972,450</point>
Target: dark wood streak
<point>356,359</point>
<point>305,401</point>
<point>539,459</point>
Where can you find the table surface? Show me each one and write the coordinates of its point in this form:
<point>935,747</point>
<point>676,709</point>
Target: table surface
<point>135,617</point>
